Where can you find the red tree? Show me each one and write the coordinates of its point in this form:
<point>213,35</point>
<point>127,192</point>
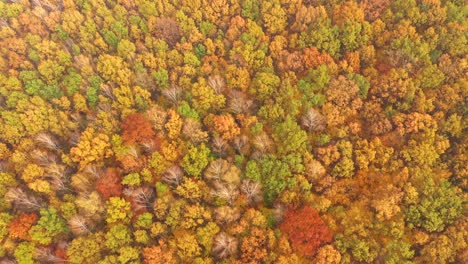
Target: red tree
<point>137,129</point>
<point>306,230</point>
<point>109,184</point>
<point>19,227</point>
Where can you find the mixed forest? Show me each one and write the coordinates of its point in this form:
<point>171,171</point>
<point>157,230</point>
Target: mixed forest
<point>233,131</point>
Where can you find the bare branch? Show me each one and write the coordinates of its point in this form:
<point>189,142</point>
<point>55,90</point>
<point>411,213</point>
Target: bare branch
<point>173,94</point>
<point>142,197</point>
<point>313,120</point>
<point>240,143</point>
<point>216,170</point>
<point>226,192</point>
<point>22,200</point>
<point>47,141</point>
<point>45,255</point>
<point>224,245</point>
<point>262,142</point>
<point>238,102</point>
<point>78,225</point>
<point>217,83</point>
<point>173,176</point>
<point>253,191</point>
<point>219,146</point>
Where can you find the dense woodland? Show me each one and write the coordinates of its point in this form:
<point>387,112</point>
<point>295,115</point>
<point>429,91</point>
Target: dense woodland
<point>233,131</point>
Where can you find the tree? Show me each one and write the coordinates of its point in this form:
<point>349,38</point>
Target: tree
<point>225,126</point>
<point>118,236</point>
<point>187,245</point>
<point>289,137</point>
<point>274,17</point>
<point>252,246</point>
<point>305,229</point>
<point>159,254</point>
<point>196,159</point>
<point>224,245</point>
<point>93,147</point>
<point>112,68</point>
<point>109,184</point>
<point>19,227</point>
<point>118,211</point>
<point>313,120</point>
<point>24,253</point>
<point>342,101</point>
<point>323,36</point>
<point>49,227</point>
<point>168,30</point>
<point>263,85</point>
<point>440,206</point>
<point>328,255</point>
<point>136,129</point>
<point>86,249</point>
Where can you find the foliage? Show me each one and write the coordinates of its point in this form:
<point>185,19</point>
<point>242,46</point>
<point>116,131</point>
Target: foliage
<point>305,229</point>
<point>233,131</point>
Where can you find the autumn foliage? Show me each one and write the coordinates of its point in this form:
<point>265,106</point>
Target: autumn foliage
<point>137,129</point>
<point>233,131</point>
<point>109,184</point>
<point>305,229</point>
<point>18,228</point>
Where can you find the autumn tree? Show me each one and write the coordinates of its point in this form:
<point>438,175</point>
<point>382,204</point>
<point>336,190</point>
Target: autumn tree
<point>109,184</point>
<point>305,229</point>
<point>137,129</point>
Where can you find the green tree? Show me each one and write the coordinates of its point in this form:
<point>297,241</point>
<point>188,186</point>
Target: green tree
<point>196,159</point>
<point>118,236</point>
<point>289,137</point>
<point>440,205</point>
<point>49,227</point>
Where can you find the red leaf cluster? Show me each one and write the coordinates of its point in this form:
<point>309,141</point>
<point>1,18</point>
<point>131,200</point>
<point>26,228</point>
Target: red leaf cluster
<point>19,227</point>
<point>137,129</point>
<point>306,230</point>
<point>109,184</point>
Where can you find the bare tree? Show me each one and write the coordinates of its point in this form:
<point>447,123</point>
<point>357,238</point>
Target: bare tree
<point>216,170</point>
<point>262,143</point>
<point>192,129</point>
<point>47,141</point>
<point>173,175</point>
<point>142,196</point>
<point>157,116</point>
<point>83,182</point>
<point>219,146</point>
<point>278,212</point>
<point>78,225</point>
<point>224,245</point>
<point>226,214</point>
<point>149,146</point>
<point>45,255</point>
<point>8,261</point>
<point>313,120</point>
<point>253,190</point>
<point>238,102</point>
<point>93,171</point>
<point>22,200</point>
<point>240,143</point>
<point>226,192</point>
<point>168,30</point>
<point>173,94</point>
<point>107,91</point>
<point>43,158</point>
<point>217,83</point>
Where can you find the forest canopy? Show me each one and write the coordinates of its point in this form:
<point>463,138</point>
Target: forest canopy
<point>233,131</point>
